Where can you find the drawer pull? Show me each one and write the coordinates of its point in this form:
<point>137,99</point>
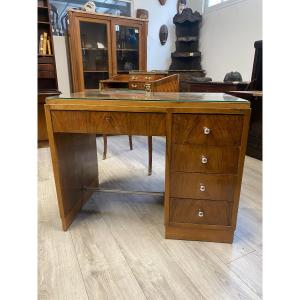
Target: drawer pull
<point>200,213</point>
<point>133,77</point>
<point>202,188</point>
<point>134,85</point>
<point>148,77</point>
<point>107,119</point>
<point>204,159</point>
<point>206,130</point>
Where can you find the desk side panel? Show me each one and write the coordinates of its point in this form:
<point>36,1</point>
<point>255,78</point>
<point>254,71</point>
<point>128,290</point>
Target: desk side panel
<point>74,160</point>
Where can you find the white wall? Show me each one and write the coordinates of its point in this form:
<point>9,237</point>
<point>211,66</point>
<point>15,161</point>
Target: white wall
<point>159,57</point>
<point>227,38</point>
<point>64,77</point>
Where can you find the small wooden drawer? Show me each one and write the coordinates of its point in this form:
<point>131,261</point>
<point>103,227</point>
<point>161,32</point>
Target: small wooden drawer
<point>200,211</point>
<point>45,59</point>
<point>202,186</point>
<point>137,85</point>
<point>109,122</point>
<point>205,159</point>
<point>46,74</point>
<point>144,77</point>
<point>46,67</point>
<point>207,129</point>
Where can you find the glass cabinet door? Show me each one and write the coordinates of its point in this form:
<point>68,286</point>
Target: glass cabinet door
<point>95,53</point>
<point>127,48</point>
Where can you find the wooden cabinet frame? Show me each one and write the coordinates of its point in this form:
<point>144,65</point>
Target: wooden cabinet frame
<point>75,17</point>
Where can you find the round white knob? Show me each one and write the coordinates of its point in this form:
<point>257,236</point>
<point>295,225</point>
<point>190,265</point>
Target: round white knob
<point>204,160</point>
<point>202,187</point>
<point>206,130</point>
<point>200,213</point>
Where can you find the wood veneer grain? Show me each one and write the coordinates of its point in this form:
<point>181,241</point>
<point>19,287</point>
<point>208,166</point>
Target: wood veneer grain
<point>224,129</point>
<point>220,160</point>
<point>187,211</point>
<point>109,122</point>
<point>217,187</point>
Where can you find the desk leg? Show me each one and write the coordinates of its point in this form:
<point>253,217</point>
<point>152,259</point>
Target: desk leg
<point>74,159</point>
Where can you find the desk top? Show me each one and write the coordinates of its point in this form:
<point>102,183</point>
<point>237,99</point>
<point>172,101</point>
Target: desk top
<point>130,95</point>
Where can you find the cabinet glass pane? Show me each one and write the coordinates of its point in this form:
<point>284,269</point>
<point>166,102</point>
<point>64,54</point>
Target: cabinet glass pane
<point>94,48</point>
<point>127,39</point>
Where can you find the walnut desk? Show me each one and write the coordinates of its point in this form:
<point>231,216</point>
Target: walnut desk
<point>206,139</point>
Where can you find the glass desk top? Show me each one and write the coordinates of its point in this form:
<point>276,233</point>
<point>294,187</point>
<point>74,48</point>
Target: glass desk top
<point>134,95</point>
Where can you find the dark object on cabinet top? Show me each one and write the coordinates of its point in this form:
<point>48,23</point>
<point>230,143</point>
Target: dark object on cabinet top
<point>233,76</point>
<point>187,15</point>
<point>142,14</point>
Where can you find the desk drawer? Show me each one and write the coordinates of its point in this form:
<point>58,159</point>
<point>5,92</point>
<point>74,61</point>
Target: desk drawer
<point>137,85</point>
<point>46,67</point>
<point>202,186</point>
<point>207,129</point>
<point>145,77</point>
<point>205,159</point>
<point>200,211</point>
<point>109,122</point>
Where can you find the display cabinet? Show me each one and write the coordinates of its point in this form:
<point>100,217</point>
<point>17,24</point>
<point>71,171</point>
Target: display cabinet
<point>102,46</point>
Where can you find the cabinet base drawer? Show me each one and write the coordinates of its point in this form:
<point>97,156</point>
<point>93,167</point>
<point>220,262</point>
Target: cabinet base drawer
<point>202,186</point>
<point>200,211</point>
<point>195,234</point>
<point>148,124</point>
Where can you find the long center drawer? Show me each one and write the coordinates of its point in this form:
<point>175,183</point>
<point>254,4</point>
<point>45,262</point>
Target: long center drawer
<point>108,122</point>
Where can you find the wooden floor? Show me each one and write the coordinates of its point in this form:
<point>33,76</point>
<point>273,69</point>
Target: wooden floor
<point>116,248</point>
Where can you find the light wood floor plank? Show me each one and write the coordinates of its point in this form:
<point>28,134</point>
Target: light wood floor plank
<point>158,274</point>
<point>59,273</point>
<point>249,269</point>
<point>105,271</point>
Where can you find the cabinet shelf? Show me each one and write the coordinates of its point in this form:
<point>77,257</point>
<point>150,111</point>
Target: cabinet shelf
<point>94,71</point>
<point>44,22</point>
<point>134,50</point>
<point>95,49</point>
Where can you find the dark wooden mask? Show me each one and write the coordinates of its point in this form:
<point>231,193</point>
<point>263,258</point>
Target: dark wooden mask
<point>163,34</point>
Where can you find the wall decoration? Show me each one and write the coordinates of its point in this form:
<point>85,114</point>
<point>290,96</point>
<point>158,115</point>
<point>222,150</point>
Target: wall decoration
<point>142,13</point>
<point>162,2</point>
<point>163,34</point>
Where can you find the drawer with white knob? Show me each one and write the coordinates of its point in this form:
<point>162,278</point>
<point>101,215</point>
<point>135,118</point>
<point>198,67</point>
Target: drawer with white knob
<point>200,211</point>
<point>202,186</point>
<point>205,159</point>
<point>205,129</point>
